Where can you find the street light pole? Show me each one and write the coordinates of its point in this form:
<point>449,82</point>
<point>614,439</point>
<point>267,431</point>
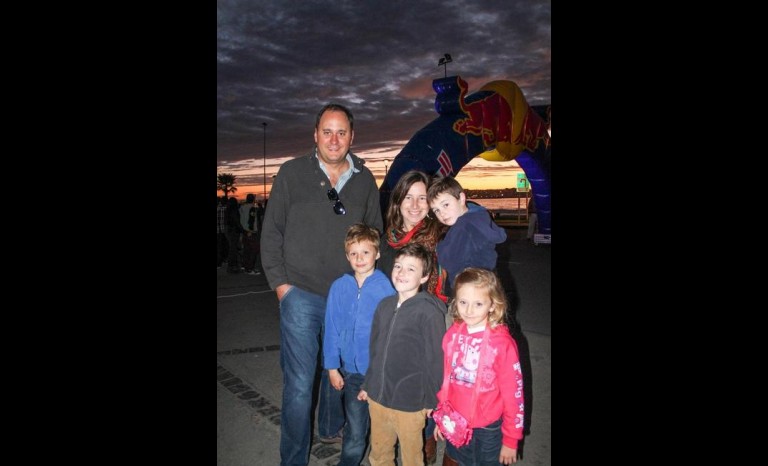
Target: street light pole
<point>265,161</point>
<point>444,62</point>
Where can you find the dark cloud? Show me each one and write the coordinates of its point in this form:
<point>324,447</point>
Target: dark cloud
<point>280,61</point>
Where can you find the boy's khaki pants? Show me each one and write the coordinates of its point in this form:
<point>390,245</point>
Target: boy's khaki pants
<point>390,425</point>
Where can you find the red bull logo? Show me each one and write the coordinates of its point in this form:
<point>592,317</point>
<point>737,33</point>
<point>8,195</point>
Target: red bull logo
<point>493,119</point>
<point>489,117</point>
<point>533,130</point>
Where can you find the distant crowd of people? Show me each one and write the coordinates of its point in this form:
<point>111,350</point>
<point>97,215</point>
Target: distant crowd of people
<point>238,236</point>
<point>405,312</point>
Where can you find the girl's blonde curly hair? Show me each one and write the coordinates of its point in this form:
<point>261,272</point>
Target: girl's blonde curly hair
<point>488,280</point>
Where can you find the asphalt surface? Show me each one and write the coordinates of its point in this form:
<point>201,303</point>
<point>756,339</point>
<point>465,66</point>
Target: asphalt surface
<point>249,379</point>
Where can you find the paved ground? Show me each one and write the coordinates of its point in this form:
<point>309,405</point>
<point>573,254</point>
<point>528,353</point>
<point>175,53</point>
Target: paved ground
<point>249,379</point>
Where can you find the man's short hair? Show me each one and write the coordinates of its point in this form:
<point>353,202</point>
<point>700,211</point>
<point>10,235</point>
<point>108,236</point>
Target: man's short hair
<point>335,108</point>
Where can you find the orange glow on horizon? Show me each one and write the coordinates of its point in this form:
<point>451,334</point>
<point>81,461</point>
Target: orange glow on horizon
<point>477,174</point>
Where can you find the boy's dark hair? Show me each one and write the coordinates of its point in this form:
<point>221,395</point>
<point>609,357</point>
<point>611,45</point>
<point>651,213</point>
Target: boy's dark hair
<point>440,185</point>
<point>360,232</point>
<point>419,251</point>
<point>250,198</point>
<point>336,108</point>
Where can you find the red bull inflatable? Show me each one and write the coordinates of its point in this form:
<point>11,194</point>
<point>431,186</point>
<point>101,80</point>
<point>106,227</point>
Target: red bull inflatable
<point>495,123</point>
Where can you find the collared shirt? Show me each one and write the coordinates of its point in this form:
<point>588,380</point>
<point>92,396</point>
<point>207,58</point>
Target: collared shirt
<point>344,176</point>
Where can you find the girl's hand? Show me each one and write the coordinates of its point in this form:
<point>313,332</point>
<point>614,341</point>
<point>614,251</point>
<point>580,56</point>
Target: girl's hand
<point>362,396</point>
<point>507,455</point>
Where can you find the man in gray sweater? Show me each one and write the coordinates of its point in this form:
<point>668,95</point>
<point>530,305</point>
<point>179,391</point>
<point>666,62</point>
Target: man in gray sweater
<point>314,199</point>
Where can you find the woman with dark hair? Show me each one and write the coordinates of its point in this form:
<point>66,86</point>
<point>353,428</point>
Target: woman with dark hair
<point>407,222</point>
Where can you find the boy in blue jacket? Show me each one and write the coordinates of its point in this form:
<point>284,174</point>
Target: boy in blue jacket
<point>352,301</point>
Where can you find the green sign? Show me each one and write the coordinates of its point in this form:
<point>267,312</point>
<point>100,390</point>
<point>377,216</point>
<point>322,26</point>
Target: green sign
<point>522,182</point>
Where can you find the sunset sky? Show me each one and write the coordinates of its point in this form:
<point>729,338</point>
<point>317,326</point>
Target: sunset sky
<point>478,174</point>
<point>279,62</point>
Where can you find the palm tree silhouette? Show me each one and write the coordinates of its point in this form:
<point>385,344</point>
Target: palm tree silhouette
<point>226,182</point>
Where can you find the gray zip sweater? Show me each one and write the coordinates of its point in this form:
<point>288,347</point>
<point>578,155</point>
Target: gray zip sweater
<point>406,365</point>
<point>302,239</point>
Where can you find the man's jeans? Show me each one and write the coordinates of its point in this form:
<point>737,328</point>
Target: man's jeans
<point>302,317</point>
<point>356,428</point>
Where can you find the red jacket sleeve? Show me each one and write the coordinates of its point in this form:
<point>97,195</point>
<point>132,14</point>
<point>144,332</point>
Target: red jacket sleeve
<point>508,369</point>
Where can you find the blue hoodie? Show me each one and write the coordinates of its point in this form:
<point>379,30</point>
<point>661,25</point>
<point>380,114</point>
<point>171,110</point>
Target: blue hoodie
<point>348,317</point>
<point>470,242</point>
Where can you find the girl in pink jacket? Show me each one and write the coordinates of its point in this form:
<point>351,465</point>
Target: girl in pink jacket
<point>482,369</point>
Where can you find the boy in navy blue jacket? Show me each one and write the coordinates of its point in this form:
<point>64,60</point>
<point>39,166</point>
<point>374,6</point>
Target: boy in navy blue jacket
<point>352,301</point>
<point>472,237</point>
